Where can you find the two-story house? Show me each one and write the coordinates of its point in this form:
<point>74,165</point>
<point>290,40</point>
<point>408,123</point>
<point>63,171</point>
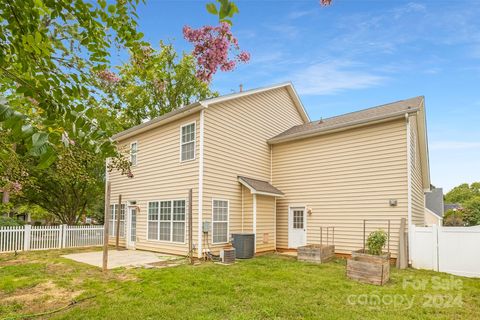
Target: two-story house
<point>256,163</point>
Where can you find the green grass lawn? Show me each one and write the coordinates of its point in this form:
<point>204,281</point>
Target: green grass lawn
<point>266,287</point>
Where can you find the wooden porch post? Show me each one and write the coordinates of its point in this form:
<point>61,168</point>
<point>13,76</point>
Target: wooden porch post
<point>105,227</point>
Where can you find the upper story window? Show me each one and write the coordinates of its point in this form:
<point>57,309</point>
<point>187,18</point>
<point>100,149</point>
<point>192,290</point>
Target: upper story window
<point>187,142</point>
<point>133,153</point>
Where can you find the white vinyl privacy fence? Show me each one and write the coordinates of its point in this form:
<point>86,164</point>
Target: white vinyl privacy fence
<point>447,249</point>
<point>28,237</point>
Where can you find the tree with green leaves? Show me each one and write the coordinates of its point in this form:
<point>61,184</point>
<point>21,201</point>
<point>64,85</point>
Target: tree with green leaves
<point>52,104</point>
<point>151,84</point>
<point>49,54</point>
<point>468,196</point>
<point>71,187</point>
<point>463,192</point>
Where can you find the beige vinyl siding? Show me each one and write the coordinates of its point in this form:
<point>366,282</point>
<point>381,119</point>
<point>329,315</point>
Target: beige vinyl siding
<point>418,196</point>
<point>432,218</point>
<point>265,223</point>
<point>235,143</point>
<point>344,178</point>
<point>246,224</point>
<point>159,175</point>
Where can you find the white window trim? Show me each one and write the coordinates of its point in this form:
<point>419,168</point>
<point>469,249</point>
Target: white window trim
<point>171,222</point>
<point>228,220</point>
<point>136,153</point>
<point>194,141</point>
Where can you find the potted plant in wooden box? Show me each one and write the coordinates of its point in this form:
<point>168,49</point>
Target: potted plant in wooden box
<point>371,265</point>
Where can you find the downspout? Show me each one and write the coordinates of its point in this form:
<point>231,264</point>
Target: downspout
<point>200,186</point>
<point>275,222</point>
<point>409,188</point>
<point>255,221</point>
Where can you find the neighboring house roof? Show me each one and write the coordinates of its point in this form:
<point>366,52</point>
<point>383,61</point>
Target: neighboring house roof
<point>366,116</point>
<point>260,187</point>
<point>451,206</point>
<point>434,200</point>
<point>197,106</point>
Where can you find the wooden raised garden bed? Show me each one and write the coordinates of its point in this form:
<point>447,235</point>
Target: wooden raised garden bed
<point>316,253</point>
<point>369,268</point>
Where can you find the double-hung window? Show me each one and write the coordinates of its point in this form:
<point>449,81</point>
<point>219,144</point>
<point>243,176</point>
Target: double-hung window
<point>133,153</point>
<point>166,220</point>
<point>113,220</point>
<point>219,221</point>
<point>187,142</point>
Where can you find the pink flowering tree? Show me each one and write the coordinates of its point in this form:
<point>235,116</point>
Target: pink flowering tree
<point>215,47</point>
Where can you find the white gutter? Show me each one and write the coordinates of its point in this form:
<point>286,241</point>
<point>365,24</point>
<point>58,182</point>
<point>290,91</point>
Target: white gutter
<point>200,186</point>
<point>409,188</point>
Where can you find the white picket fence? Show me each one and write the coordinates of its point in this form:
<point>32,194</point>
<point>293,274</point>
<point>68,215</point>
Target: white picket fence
<point>447,249</point>
<point>28,237</point>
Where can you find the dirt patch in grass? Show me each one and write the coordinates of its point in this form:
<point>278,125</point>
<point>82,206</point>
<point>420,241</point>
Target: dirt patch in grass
<point>10,259</point>
<point>44,296</point>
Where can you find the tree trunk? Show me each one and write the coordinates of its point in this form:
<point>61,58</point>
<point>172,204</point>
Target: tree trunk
<point>6,196</point>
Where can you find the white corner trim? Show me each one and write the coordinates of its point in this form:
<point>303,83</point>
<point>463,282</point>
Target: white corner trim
<point>200,186</point>
<point>271,165</point>
<point>255,221</point>
<point>409,187</point>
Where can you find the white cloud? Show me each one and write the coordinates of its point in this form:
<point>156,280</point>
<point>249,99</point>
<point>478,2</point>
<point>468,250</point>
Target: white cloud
<point>333,76</point>
<point>410,7</point>
<point>285,30</point>
<point>299,14</point>
<point>454,145</point>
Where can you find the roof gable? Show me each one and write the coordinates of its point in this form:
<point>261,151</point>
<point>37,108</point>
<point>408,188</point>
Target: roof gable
<point>197,106</point>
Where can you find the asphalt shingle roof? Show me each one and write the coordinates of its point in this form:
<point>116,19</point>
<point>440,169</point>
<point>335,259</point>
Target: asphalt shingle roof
<point>353,118</point>
<point>260,186</point>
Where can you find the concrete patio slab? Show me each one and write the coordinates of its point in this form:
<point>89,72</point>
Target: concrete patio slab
<point>120,258</point>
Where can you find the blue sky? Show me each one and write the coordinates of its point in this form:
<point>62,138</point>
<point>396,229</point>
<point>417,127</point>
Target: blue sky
<point>357,54</point>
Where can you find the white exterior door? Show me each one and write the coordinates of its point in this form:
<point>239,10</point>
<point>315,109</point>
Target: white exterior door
<point>131,227</point>
<point>297,227</point>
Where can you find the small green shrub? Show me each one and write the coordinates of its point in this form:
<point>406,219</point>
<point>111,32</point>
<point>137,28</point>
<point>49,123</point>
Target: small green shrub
<point>10,222</point>
<point>472,211</point>
<point>375,242</point>
<point>454,218</point>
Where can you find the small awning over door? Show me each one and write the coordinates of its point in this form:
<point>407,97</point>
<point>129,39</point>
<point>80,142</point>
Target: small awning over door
<point>260,187</point>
